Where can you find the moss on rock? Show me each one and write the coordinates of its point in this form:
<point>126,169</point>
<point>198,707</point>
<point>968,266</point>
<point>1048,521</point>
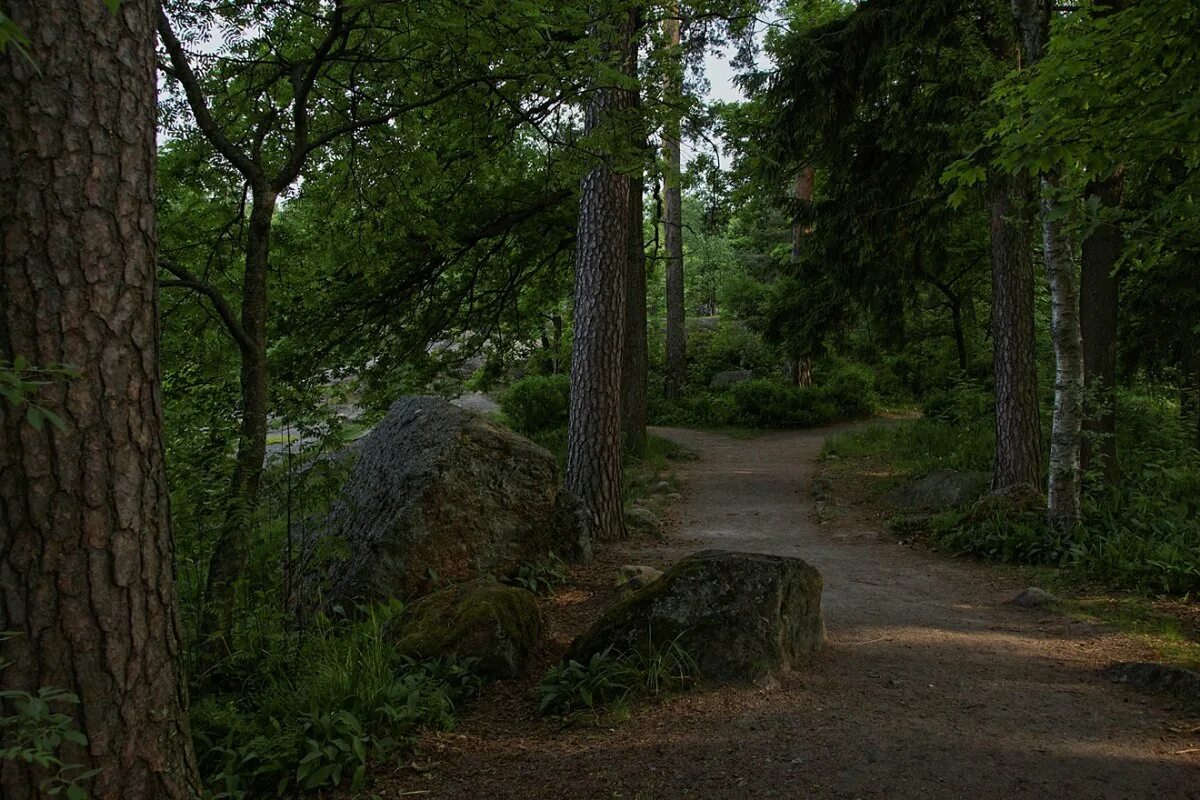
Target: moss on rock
<point>499,625</point>
<point>740,615</point>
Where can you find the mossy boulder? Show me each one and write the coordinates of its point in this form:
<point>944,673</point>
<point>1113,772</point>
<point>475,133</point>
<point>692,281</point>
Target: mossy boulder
<point>499,625</point>
<point>740,615</point>
<point>438,493</point>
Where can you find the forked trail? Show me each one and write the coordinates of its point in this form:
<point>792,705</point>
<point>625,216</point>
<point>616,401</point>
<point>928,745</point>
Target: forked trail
<point>931,685</point>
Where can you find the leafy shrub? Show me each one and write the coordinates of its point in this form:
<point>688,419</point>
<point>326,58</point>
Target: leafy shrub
<point>771,404</point>
<point>537,404</point>
<point>611,677</point>
<point>850,388</point>
<point>33,733</point>
<point>961,401</point>
<point>320,708</point>
<point>540,577</point>
<point>728,346</point>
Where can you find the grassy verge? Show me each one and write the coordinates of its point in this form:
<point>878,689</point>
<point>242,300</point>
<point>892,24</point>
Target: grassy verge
<point>1134,566</point>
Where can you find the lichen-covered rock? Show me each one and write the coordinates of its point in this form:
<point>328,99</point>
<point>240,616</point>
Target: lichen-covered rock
<point>641,519</point>
<point>499,625</point>
<point>1033,597</point>
<point>740,615</point>
<point>942,488</point>
<point>441,493</point>
<point>637,576</point>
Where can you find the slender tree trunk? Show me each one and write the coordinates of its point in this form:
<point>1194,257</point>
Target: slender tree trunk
<point>233,543</point>
<point>1018,416</point>
<point>633,371</point>
<point>960,338</point>
<point>676,366</point>
<point>1065,488</point>
<point>802,191</point>
<point>1099,285</point>
<point>1064,495</point>
<point>634,368</point>
<point>87,581</point>
<point>602,262</point>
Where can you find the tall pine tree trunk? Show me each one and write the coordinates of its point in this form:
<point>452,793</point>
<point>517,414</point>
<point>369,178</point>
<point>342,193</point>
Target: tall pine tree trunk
<point>1018,416</point>
<point>228,560</point>
<point>1098,286</point>
<point>602,259</point>
<point>676,366</point>
<point>86,576</point>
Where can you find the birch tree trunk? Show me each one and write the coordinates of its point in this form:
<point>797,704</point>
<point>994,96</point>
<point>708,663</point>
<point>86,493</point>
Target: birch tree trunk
<point>1065,484</point>
<point>87,579</point>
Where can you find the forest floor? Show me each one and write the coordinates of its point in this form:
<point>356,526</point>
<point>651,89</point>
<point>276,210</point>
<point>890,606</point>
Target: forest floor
<point>931,686</point>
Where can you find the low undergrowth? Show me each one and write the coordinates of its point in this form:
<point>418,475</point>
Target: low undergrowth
<point>313,709</point>
<point>610,680</point>
<point>1138,536</point>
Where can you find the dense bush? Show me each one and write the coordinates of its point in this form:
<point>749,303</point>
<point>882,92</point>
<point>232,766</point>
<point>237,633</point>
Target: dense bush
<point>312,712</point>
<point>840,391</point>
<point>729,345</point>
<point>537,404</point>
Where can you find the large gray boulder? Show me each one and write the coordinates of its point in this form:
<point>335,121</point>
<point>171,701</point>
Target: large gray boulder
<point>741,616</point>
<point>942,488</point>
<point>438,494</point>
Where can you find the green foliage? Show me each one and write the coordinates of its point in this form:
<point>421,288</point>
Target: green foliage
<point>611,678</point>
<point>20,382</point>
<point>316,708</point>
<point>1139,536</point>
<point>35,730</point>
<point>541,577</point>
<point>725,347</point>
<point>537,404</point>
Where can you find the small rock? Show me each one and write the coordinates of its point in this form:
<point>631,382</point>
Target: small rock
<point>1033,597</point>
<point>636,576</point>
<point>641,519</point>
<point>674,497</point>
<point>768,682</point>
<point>662,487</point>
<point>939,489</point>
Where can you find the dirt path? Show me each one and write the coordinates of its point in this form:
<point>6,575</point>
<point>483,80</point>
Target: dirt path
<point>931,686</point>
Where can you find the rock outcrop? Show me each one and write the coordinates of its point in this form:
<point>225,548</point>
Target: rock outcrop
<point>438,494</point>
<point>741,616</point>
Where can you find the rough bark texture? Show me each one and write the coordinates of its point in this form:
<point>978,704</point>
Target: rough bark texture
<point>676,366</point>
<point>1098,286</point>
<point>233,544</point>
<point>86,575</point>
<point>1018,417</point>
<point>602,257</point>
